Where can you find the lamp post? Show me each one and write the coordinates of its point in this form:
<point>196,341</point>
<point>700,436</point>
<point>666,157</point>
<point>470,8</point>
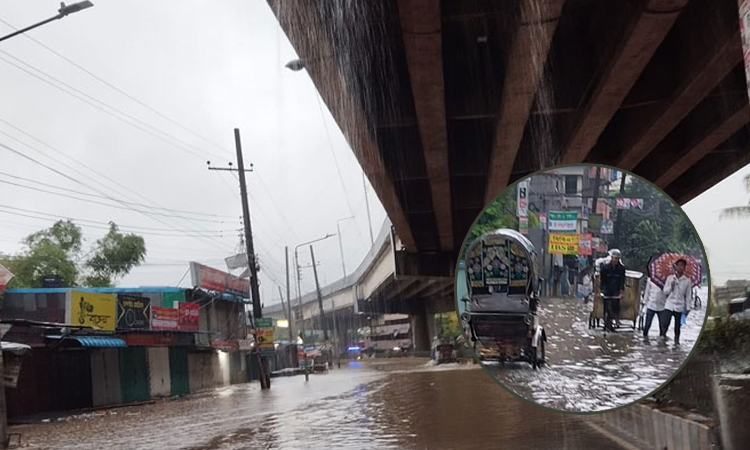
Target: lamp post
<point>341,245</point>
<point>65,10</point>
<point>299,281</point>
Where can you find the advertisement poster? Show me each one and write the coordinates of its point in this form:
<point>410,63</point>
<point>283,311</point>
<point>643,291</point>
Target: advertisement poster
<point>215,280</point>
<point>264,332</point>
<point>133,312</point>
<point>495,261</point>
<point>562,221</point>
<point>563,244</point>
<point>523,199</point>
<point>93,309</point>
<point>543,221</point>
<point>189,315</point>
<point>608,227</point>
<point>523,225</point>
<point>585,244</point>
<point>474,266</point>
<point>165,318</point>
<point>519,266</point>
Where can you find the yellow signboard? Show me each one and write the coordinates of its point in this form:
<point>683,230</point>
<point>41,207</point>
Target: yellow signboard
<point>563,244</point>
<point>93,309</point>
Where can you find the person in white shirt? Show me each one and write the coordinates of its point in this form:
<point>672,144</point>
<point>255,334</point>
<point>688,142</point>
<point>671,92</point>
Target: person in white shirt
<point>677,290</point>
<point>655,301</point>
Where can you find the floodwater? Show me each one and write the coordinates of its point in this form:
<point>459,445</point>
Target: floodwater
<point>589,370</point>
<point>378,404</point>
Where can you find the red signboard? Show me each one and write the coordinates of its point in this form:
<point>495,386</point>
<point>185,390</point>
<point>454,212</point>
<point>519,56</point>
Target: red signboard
<point>5,277</point>
<point>216,280</point>
<point>228,346</point>
<point>585,244</point>
<point>189,314</point>
<point>149,339</point>
<point>165,318</point>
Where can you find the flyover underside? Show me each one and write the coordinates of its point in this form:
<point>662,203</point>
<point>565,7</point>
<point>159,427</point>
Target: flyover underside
<point>446,103</point>
<point>413,296</point>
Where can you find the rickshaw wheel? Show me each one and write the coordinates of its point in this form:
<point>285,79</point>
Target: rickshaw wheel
<point>536,360</point>
<point>591,320</point>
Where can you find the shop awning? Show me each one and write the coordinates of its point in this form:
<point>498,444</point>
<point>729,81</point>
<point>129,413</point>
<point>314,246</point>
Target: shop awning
<point>15,348</point>
<point>93,341</point>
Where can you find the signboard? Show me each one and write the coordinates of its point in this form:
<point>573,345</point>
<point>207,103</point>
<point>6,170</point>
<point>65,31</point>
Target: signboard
<point>5,277</point>
<point>522,201</point>
<point>189,315</point>
<point>608,227</point>
<point>245,344</point>
<point>523,225</point>
<point>93,309</point>
<point>563,244</point>
<point>149,339</point>
<point>585,244</point>
<point>264,332</point>
<point>165,318</point>
<point>216,280</point>
<point>227,346</point>
<point>629,203</point>
<point>170,299</point>
<point>133,312</point>
<point>543,220</point>
<point>562,221</point>
<point>745,34</point>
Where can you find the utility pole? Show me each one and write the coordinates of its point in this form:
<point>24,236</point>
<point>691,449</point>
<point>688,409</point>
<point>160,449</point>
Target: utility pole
<point>595,202</point>
<point>619,214</point>
<point>320,297</point>
<point>265,379</point>
<point>289,316</point>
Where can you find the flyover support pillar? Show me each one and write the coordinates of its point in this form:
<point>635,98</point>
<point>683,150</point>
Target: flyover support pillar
<point>422,329</point>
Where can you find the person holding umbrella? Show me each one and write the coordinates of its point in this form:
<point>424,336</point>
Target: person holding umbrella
<point>677,290</point>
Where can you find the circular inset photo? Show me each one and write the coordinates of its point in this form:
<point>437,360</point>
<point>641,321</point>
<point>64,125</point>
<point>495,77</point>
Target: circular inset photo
<point>582,288</point>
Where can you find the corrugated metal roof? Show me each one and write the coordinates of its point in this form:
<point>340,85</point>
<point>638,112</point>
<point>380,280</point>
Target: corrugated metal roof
<point>114,290</point>
<point>93,341</point>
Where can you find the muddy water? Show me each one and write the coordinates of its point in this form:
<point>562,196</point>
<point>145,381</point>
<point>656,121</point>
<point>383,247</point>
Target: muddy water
<point>589,370</point>
<point>386,404</point>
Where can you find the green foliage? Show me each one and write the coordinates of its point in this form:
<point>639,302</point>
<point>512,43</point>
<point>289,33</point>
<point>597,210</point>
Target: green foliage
<point>725,336</point>
<point>660,227</point>
<point>501,213</point>
<point>736,212</point>
<point>116,254</point>
<point>56,251</point>
<point>447,325</point>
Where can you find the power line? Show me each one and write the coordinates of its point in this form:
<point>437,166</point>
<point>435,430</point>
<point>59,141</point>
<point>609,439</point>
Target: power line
<point>101,106</point>
<point>103,197</point>
<point>115,88</point>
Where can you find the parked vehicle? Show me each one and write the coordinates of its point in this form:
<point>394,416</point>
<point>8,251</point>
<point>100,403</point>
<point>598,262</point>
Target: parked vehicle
<point>502,303</point>
<point>739,308</point>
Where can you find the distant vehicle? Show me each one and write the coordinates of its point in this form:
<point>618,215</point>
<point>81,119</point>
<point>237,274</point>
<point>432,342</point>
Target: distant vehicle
<point>739,308</point>
<point>502,298</point>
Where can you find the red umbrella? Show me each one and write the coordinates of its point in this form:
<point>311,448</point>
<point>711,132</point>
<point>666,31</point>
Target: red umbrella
<point>663,265</point>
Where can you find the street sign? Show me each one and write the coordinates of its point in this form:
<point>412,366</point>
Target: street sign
<point>264,332</point>
<point>523,201</point>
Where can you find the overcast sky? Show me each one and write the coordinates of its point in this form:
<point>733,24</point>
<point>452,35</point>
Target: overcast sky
<point>206,67</point>
<point>209,67</point>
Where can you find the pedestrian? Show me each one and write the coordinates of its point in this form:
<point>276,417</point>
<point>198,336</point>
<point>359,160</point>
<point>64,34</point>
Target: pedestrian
<point>677,289</point>
<point>556,273</point>
<point>655,301</point>
<point>612,285</point>
<point>587,285</point>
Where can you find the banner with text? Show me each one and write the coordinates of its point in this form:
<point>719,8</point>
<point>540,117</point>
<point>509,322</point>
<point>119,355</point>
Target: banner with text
<point>93,309</point>
<point>189,315</point>
<point>216,280</point>
<point>585,244</point>
<point>562,221</point>
<point>563,244</point>
<point>133,312</point>
<point>165,318</point>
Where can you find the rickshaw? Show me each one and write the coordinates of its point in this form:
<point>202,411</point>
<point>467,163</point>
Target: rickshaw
<point>630,303</point>
<point>502,298</point>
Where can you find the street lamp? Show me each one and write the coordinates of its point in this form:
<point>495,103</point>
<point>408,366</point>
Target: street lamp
<point>341,245</point>
<point>295,65</point>
<point>299,281</point>
<point>65,10</point>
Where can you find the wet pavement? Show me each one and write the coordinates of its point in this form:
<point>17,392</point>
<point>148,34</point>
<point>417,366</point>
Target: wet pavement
<point>378,404</point>
<point>589,370</point>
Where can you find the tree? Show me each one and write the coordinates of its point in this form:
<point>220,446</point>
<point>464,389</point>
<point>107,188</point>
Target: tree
<point>57,251</point>
<point>501,213</point>
<point>116,255</point>
<point>738,211</point>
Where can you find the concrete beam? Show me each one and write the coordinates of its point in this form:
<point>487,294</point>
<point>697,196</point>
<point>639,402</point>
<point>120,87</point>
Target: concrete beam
<point>302,24</point>
<point>437,265</point>
<point>526,61</point>
<point>724,56</point>
<point>423,42</point>
<point>645,32</point>
<point>712,178</point>
<point>712,139</point>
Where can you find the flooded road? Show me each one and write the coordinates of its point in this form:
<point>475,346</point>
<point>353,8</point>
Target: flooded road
<point>588,370</point>
<point>379,404</point>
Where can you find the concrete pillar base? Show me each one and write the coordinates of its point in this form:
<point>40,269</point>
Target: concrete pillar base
<point>731,397</point>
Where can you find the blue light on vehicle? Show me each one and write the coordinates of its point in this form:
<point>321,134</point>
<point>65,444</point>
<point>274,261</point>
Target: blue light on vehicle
<point>353,348</point>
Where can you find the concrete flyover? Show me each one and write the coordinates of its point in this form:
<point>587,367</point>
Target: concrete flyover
<point>384,283</point>
<point>446,103</point>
